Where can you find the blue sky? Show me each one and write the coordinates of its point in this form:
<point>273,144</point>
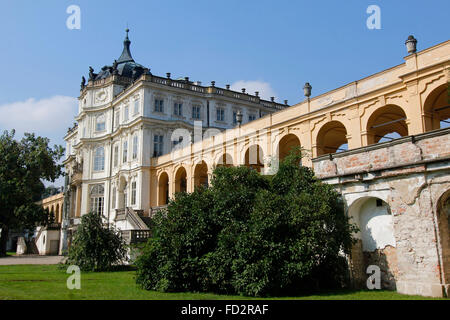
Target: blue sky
<point>278,44</point>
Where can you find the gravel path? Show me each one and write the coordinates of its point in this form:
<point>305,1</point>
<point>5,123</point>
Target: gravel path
<point>30,259</point>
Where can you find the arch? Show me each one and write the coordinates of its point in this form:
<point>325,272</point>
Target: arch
<point>376,244</point>
<point>332,138</point>
<point>181,180</point>
<point>254,157</point>
<point>386,123</point>
<point>443,219</point>
<point>286,144</point>
<point>163,189</point>
<point>201,174</point>
<point>437,109</point>
<point>225,160</point>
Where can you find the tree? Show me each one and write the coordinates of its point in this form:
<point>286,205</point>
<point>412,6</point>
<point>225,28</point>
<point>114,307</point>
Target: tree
<point>96,247</point>
<point>250,234</point>
<point>23,166</point>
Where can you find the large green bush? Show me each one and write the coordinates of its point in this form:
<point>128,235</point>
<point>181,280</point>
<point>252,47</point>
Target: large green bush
<point>250,234</point>
<point>96,247</point>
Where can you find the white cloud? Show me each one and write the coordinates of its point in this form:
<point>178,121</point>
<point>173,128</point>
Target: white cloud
<point>264,88</point>
<point>47,117</point>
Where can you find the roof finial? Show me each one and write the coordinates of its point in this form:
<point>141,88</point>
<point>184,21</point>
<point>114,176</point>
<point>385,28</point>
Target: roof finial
<point>126,54</point>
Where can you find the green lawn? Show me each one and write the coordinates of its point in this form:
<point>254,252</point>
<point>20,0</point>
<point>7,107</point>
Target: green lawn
<point>49,282</point>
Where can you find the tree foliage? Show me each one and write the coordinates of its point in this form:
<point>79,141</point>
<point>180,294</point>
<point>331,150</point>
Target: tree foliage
<point>250,234</point>
<point>96,247</point>
<point>23,166</point>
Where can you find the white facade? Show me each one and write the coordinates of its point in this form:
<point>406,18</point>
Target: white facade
<point>123,122</point>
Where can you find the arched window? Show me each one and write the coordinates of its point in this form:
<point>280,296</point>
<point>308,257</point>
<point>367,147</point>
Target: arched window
<point>100,122</point>
<point>99,159</point>
<point>97,198</point>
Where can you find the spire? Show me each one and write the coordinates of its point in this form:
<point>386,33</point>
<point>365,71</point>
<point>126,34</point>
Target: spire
<point>126,54</point>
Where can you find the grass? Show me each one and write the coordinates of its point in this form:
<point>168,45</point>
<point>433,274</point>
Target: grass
<point>8,254</point>
<point>49,282</point>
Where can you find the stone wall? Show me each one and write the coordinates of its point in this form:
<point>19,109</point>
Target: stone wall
<point>411,175</point>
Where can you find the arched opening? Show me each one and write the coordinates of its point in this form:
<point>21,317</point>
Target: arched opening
<point>386,124</point>
<point>201,174</point>
<point>332,138</point>
<point>225,160</point>
<point>163,189</point>
<point>376,243</point>
<point>286,145</point>
<point>437,109</point>
<point>443,217</point>
<point>254,158</point>
<point>181,180</point>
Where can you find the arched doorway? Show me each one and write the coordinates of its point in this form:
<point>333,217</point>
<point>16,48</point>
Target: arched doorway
<point>254,158</point>
<point>163,189</point>
<point>201,174</point>
<point>181,180</point>
<point>443,218</point>
<point>332,138</point>
<point>386,124</point>
<point>437,109</point>
<point>376,244</point>
<point>286,145</point>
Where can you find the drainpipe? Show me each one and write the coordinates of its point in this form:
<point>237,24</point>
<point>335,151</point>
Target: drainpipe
<point>110,162</point>
<point>207,113</point>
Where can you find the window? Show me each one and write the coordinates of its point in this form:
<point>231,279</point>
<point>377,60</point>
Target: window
<point>113,205</point>
<point>125,114</point>
<point>157,145</point>
<point>234,117</point>
<point>176,142</point>
<point>117,119</point>
<point>220,114</point>
<point>97,198</point>
<point>99,159</point>
<point>178,109</point>
<point>116,155</point>
<point>135,147</point>
<point>195,112</point>
<point>159,105</point>
<point>125,152</point>
<point>133,193</point>
<point>251,117</point>
<point>100,122</point>
<point>136,106</point>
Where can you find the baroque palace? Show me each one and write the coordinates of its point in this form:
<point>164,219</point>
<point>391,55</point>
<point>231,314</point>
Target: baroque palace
<point>382,141</point>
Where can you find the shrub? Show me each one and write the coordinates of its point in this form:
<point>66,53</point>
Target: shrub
<point>250,234</point>
<point>96,247</point>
